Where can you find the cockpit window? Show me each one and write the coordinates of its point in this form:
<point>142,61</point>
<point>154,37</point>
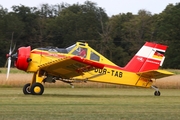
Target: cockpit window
<point>94,56</point>
<point>80,52</point>
<point>70,48</point>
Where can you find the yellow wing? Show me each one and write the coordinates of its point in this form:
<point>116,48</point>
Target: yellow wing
<point>69,67</point>
<point>155,74</point>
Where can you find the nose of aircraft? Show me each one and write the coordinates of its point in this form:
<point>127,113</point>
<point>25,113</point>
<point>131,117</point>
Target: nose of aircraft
<point>22,58</point>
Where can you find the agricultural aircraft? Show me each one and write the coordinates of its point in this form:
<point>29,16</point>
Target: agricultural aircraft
<point>80,62</point>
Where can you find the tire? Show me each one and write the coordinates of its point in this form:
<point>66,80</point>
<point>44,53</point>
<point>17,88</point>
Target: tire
<point>37,89</point>
<point>26,89</point>
<point>157,93</point>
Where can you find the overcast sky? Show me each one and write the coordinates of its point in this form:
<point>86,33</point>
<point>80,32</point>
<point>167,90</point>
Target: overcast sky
<point>111,7</point>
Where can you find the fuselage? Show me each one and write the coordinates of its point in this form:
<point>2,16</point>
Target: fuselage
<point>111,73</point>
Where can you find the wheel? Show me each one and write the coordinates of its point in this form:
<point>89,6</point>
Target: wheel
<point>157,93</point>
<point>26,89</point>
<point>37,89</point>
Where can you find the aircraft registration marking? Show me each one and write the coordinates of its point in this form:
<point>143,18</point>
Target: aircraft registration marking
<point>111,72</point>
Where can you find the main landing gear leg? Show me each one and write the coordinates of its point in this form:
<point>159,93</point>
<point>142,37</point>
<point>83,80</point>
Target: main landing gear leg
<point>34,88</point>
<point>157,92</point>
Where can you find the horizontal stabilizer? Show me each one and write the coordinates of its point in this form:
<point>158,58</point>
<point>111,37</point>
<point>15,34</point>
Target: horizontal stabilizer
<point>155,74</point>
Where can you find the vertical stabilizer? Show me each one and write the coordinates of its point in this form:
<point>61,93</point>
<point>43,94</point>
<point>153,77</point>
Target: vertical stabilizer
<point>149,57</point>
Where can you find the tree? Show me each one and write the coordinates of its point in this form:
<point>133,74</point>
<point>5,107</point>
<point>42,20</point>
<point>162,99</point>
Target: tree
<point>119,50</point>
<point>29,34</point>
<point>168,28</point>
<point>9,23</point>
<point>80,22</point>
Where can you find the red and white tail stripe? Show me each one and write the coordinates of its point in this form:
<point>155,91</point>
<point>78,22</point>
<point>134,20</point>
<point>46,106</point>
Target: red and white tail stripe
<point>149,57</point>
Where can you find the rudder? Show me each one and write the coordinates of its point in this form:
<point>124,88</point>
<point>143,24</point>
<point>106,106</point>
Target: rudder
<point>149,57</point>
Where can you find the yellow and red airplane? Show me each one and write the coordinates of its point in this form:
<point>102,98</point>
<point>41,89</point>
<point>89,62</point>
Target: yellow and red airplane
<point>81,62</point>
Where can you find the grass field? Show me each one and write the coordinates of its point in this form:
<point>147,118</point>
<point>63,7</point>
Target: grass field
<point>91,101</point>
<point>90,104</point>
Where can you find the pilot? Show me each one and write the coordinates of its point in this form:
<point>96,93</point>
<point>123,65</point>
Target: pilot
<point>82,52</point>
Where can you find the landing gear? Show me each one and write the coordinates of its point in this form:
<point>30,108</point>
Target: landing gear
<point>26,89</point>
<point>37,89</point>
<point>34,89</point>
<point>157,92</point>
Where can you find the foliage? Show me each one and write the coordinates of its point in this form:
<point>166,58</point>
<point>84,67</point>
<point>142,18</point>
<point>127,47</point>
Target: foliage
<point>168,32</point>
<point>117,37</point>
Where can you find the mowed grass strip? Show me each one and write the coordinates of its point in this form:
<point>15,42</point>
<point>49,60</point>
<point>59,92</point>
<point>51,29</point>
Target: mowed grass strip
<point>90,104</point>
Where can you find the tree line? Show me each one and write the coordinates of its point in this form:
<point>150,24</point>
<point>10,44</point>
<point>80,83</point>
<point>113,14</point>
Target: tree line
<point>117,37</point>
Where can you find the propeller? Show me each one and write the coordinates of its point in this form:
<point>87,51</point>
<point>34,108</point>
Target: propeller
<point>9,55</point>
<point>8,69</point>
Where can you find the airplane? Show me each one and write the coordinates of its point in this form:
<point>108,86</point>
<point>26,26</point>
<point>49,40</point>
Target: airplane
<point>80,62</point>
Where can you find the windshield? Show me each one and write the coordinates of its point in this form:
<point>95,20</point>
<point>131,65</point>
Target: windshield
<point>70,48</point>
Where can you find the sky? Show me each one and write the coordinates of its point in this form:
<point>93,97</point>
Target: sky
<point>111,7</point>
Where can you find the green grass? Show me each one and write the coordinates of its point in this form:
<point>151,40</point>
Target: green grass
<point>90,104</point>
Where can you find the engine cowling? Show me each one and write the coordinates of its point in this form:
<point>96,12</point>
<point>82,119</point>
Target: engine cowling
<point>23,58</point>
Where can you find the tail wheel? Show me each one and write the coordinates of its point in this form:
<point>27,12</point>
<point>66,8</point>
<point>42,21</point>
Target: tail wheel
<point>37,89</point>
<point>26,89</point>
<point>157,93</point>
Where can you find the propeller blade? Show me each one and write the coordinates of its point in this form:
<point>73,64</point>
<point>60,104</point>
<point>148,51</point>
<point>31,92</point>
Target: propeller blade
<point>10,50</point>
<point>6,63</point>
<point>9,65</point>
<point>13,48</point>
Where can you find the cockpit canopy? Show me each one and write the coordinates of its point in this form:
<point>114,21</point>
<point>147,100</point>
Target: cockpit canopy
<point>79,49</point>
<point>54,49</point>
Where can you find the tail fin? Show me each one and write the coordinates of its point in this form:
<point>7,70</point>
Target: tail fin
<point>149,57</point>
